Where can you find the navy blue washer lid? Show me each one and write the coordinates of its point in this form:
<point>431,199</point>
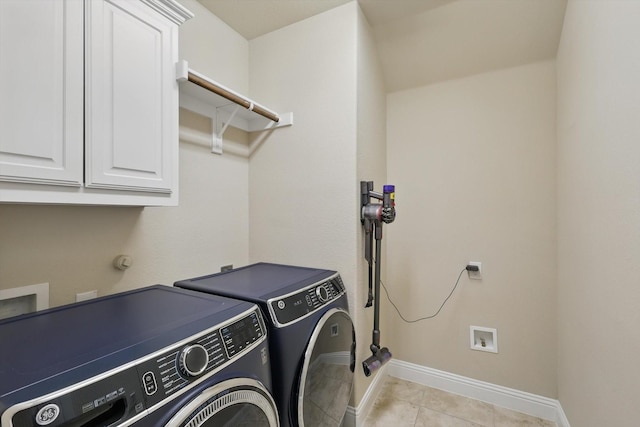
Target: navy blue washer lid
<point>73,342</point>
<point>257,282</point>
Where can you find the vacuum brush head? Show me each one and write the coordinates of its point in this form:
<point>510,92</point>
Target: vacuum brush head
<point>376,361</point>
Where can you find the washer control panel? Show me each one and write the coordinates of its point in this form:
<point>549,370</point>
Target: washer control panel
<point>174,369</point>
<point>129,393</point>
<point>115,398</point>
<point>291,307</point>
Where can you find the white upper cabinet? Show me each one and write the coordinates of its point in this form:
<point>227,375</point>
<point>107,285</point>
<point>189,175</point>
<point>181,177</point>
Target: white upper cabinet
<point>41,84</point>
<point>90,114</point>
<point>131,97</point>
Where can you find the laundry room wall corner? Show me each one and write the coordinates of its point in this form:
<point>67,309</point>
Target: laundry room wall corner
<point>371,166</point>
<point>304,180</point>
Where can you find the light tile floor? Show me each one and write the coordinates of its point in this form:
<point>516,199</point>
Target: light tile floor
<point>405,404</point>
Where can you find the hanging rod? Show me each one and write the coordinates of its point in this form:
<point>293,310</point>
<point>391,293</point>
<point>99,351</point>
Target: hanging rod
<point>224,92</point>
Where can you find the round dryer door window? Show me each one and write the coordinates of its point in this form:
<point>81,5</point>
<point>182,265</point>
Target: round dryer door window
<point>327,372</point>
<point>237,402</point>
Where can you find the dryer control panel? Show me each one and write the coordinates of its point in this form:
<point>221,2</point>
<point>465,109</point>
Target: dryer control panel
<point>295,306</point>
<point>198,358</point>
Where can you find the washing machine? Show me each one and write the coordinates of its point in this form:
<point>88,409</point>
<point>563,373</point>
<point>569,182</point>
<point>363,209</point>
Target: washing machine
<point>156,356</point>
<point>311,335</point>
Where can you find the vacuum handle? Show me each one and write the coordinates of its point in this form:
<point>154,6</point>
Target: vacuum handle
<point>388,203</point>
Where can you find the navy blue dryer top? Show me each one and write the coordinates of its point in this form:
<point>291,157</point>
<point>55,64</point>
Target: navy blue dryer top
<point>309,328</point>
<point>45,352</point>
<point>257,282</point>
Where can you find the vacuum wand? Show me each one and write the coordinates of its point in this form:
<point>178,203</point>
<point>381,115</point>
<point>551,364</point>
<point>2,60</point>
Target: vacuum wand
<point>373,216</point>
<point>368,235</point>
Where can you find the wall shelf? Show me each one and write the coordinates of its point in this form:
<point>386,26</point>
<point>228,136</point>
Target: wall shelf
<point>225,107</point>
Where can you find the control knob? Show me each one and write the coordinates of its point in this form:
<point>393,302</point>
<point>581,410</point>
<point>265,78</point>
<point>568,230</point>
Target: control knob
<point>322,294</point>
<point>193,360</point>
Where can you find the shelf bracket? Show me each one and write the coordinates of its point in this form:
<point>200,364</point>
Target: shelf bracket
<point>202,95</point>
<point>221,128</point>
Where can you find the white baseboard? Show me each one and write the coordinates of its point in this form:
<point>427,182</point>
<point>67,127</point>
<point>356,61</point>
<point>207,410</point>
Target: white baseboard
<point>563,421</point>
<point>527,403</point>
<point>355,417</point>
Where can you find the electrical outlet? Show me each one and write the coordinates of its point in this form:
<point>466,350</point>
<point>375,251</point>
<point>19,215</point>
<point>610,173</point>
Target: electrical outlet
<point>476,275</point>
<point>83,296</point>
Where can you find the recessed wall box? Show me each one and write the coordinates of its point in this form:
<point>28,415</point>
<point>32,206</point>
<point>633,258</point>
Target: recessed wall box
<point>484,339</point>
<point>23,300</point>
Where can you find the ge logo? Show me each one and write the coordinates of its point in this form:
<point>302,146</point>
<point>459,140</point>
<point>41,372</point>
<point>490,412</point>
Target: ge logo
<point>280,304</point>
<point>47,414</point>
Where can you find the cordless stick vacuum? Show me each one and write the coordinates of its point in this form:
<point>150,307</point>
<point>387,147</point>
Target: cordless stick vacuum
<point>373,215</point>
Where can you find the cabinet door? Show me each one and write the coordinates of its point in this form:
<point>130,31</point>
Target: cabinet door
<point>41,91</point>
<point>131,137</point>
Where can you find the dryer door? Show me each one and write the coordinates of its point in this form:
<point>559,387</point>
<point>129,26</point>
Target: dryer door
<point>327,371</point>
<point>235,402</point>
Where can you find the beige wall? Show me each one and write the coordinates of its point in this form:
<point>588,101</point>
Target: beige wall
<point>304,180</point>
<point>474,165</point>
<point>72,247</point>
<point>213,48</point>
<point>599,213</point>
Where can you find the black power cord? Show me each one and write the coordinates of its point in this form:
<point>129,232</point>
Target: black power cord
<point>466,268</point>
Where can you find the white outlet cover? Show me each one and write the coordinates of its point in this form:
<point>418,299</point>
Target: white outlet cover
<point>475,275</point>
<point>84,296</point>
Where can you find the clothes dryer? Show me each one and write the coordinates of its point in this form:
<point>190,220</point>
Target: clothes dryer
<point>157,356</point>
<point>311,336</point>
